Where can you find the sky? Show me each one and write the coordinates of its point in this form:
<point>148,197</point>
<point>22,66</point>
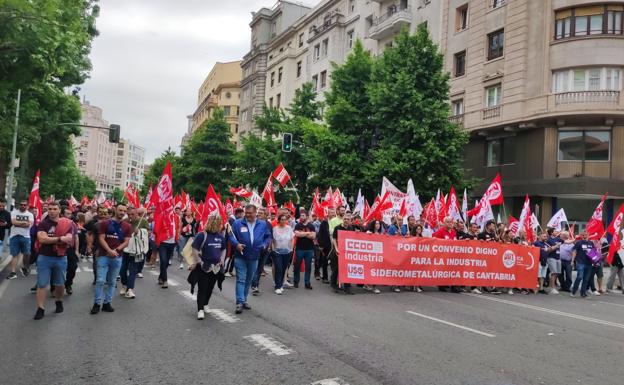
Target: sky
<point>151,57</point>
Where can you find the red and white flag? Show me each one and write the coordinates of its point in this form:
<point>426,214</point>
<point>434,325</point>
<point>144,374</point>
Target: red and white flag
<point>241,192</point>
<point>595,227</point>
<point>337,198</point>
<point>213,206</point>
<point>557,219</point>
<point>485,214</point>
<point>614,230</point>
<point>494,194</point>
<point>132,195</point>
<point>513,224</point>
<point>290,207</point>
<point>34,200</point>
<point>380,205</point>
<point>452,204</point>
<point>429,214</point>
<point>414,207</point>
<point>164,216</point>
<point>281,175</point>
<point>268,194</point>
<point>229,208</point>
<point>526,220</point>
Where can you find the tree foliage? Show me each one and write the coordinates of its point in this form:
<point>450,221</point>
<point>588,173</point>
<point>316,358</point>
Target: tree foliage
<point>44,47</point>
<point>156,169</point>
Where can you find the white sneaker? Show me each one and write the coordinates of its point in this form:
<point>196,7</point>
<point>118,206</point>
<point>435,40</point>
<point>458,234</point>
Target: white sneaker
<point>200,314</point>
<point>475,291</point>
<point>286,285</point>
<point>376,291</point>
<point>228,274</point>
<point>418,289</point>
<point>181,266</point>
<point>130,293</point>
<point>139,275</point>
<point>572,295</point>
<point>597,293</point>
<point>123,290</point>
<point>206,309</point>
<point>554,291</point>
<point>279,291</point>
<point>510,292</point>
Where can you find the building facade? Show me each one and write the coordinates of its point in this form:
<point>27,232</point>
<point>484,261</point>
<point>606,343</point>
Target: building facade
<point>95,156</point>
<point>549,119</point>
<point>129,164</point>
<point>220,89</point>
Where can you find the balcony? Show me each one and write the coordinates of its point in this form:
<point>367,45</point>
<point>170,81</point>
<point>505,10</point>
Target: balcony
<point>330,20</point>
<point>609,97</point>
<point>492,112</point>
<point>391,22</point>
<point>457,119</point>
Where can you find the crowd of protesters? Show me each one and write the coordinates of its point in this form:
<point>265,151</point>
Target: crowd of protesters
<point>252,244</point>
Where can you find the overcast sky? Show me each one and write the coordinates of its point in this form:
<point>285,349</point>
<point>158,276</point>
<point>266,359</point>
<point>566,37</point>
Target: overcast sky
<point>152,56</point>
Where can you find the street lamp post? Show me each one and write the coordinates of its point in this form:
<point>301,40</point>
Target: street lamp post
<point>9,192</point>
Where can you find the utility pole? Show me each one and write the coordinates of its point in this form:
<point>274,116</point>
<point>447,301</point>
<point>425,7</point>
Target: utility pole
<point>9,192</point>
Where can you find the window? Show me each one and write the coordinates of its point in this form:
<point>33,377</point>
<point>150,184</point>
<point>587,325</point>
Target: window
<point>460,64</point>
<point>497,3</point>
<point>351,6</point>
<point>587,79</point>
<point>501,151</point>
<point>350,35</point>
<point>272,78</point>
<point>496,43</point>
<point>317,52</point>
<point>584,145</point>
<point>493,96</point>
<point>301,35</point>
<point>325,47</point>
<point>279,74</point>
<point>562,24</point>
<point>461,18</point>
<point>457,107</point>
<point>226,110</point>
<point>278,100</point>
<point>315,82</point>
<point>323,79</point>
<point>270,102</point>
<point>589,20</point>
<point>298,69</point>
<point>614,21</point>
<point>236,128</point>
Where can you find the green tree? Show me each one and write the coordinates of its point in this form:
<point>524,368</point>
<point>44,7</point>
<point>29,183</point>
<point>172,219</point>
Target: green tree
<point>118,195</point>
<point>409,93</point>
<point>44,48</point>
<point>208,157</point>
<point>304,103</point>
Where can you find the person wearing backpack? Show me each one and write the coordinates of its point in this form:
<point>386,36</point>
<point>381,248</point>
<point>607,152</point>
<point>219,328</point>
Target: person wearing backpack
<point>113,237</point>
<point>209,255</point>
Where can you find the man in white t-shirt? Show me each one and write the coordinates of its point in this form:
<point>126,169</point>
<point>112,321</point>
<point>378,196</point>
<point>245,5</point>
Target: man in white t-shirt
<point>19,239</point>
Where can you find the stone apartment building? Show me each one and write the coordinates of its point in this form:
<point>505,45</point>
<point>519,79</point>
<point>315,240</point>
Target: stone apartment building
<point>536,84</point>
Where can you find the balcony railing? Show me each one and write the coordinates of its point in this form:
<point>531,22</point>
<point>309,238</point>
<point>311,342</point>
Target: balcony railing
<point>390,22</point>
<point>457,119</point>
<point>492,112</point>
<point>587,97</point>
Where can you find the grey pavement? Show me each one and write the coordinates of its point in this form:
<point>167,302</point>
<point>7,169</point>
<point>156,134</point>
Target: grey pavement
<point>306,337</point>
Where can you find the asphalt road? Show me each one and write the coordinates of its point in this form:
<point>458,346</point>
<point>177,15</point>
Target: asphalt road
<point>306,337</point>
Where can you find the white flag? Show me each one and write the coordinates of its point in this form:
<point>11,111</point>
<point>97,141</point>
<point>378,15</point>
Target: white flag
<point>359,204</point>
<point>413,202</point>
<point>557,219</point>
<point>101,198</point>
<point>465,206</point>
<point>485,214</point>
<point>534,222</point>
<point>255,200</point>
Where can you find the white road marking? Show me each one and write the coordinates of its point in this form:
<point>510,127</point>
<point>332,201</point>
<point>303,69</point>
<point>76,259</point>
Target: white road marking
<point>5,262</point>
<point>78,270</point>
<point>223,316</point>
<point>452,324</point>
<point>187,294</point>
<point>153,272</point>
<point>556,312</point>
<point>611,303</point>
<point>173,282</point>
<point>331,381</point>
<point>269,344</point>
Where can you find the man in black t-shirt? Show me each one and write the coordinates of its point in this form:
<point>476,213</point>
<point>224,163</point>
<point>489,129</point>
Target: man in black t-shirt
<point>489,234</point>
<point>345,226</point>
<point>5,221</point>
<point>305,234</point>
<point>92,236</point>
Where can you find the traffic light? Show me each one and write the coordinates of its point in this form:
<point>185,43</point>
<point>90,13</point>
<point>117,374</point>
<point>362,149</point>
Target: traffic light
<point>113,133</point>
<point>287,142</point>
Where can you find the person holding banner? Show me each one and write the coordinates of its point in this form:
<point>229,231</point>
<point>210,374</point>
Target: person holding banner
<point>345,226</point>
<point>447,232</point>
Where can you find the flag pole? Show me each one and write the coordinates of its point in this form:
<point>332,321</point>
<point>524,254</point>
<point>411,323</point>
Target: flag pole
<point>296,193</point>
<point>505,217</point>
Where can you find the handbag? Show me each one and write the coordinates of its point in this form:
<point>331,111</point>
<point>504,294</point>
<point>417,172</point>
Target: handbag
<point>187,251</point>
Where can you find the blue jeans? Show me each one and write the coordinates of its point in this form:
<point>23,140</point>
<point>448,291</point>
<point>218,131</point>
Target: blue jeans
<point>51,268</point>
<point>261,262</point>
<point>107,271</point>
<point>19,244</point>
<point>165,252</point>
<point>245,271</point>
<point>281,261</point>
<point>181,243</point>
<point>582,278</point>
<point>129,270</point>
<point>307,256</point>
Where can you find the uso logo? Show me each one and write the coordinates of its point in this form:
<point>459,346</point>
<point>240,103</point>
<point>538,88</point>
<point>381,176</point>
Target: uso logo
<point>364,246</point>
<point>355,271</point>
<point>509,259</point>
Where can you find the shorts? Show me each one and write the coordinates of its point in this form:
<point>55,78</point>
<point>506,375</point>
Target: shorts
<point>541,272</point>
<point>19,244</point>
<point>598,271</point>
<point>554,265</point>
<point>53,268</point>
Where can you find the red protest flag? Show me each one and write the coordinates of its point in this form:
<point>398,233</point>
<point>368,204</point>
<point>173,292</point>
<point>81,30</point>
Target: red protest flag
<point>317,208</point>
<point>241,192</point>
<point>229,208</point>
<point>213,206</point>
<point>337,198</point>
<point>495,191</point>
<point>164,216</point>
<point>290,207</point>
<point>615,224</point>
<point>525,222</point>
<point>281,175</point>
<point>429,214</point>
<point>452,205</point>
<point>268,194</point>
<point>595,227</point>
<point>380,205</point>
<point>366,210</point>
<point>513,224</point>
<point>403,209</point>
<point>614,229</point>
<point>34,200</point>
